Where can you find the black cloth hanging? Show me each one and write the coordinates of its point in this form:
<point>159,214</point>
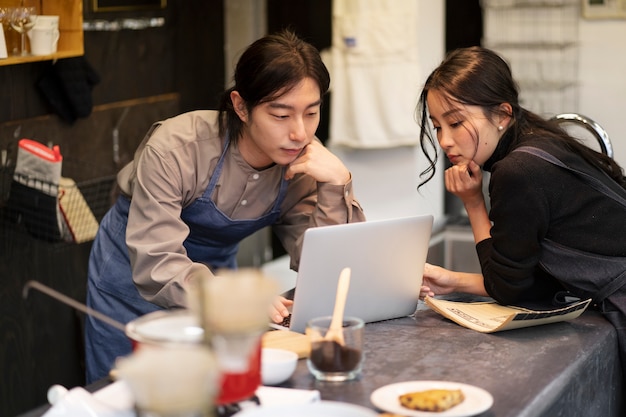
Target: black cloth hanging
<point>66,85</point>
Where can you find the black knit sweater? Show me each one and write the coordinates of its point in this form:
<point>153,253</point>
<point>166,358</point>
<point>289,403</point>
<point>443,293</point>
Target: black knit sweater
<point>532,199</point>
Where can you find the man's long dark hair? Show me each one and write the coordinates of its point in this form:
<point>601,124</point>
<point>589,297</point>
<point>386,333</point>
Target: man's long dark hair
<point>268,68</point>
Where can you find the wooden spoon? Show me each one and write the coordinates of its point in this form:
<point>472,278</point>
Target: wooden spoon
<point>335,330</point>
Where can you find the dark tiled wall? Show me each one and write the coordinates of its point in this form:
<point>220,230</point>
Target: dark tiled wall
<point>145,75</point>
<point>87,145</point>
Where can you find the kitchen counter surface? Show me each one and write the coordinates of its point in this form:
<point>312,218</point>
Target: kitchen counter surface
<point>561,369</point>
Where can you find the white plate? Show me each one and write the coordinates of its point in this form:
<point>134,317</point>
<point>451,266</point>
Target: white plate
<point>317,409</point>
<point>477,400</point>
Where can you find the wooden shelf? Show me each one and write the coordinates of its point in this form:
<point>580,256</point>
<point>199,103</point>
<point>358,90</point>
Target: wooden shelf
<point>71,40</point>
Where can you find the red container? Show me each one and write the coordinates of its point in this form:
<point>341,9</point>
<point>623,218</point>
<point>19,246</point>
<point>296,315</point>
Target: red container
<point>172,328</point>
<point>241,386</point>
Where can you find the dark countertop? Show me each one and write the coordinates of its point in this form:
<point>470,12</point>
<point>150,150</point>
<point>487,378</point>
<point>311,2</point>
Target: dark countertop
<point>561,369</point>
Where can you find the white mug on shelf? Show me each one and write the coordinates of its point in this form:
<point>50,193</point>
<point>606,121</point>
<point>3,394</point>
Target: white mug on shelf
<point>44,36</point>
<point>47,22</point>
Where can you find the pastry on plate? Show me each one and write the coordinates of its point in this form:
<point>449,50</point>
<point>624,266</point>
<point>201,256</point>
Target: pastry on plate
<point>432,400</point>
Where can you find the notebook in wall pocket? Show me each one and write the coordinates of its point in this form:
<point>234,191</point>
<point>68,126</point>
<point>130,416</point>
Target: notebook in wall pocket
<point>79,219</point>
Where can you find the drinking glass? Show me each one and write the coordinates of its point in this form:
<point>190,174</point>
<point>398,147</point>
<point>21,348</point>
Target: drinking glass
<point>333,361</point>
<point>4,15</point>
<point>22,20</point>
<point>5,22</point>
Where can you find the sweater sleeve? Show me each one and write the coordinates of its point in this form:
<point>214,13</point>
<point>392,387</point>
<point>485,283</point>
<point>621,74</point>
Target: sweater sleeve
<point>520,216</point>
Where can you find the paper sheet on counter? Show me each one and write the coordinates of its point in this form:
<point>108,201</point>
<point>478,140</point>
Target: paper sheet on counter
<point>489,316</point>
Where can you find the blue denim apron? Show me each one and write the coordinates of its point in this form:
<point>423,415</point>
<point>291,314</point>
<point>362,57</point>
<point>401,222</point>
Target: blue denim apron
<point>588,275</point>
<point>213,240</point>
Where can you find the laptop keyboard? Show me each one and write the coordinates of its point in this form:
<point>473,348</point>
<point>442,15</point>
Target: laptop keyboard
<point>286,321</point>
<point>283,325</point>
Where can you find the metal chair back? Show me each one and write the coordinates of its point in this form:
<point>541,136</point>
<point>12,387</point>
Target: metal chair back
<point>582,127</point>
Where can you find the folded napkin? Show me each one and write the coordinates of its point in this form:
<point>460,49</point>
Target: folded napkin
<point>277,395</point>
<point>116,400</point>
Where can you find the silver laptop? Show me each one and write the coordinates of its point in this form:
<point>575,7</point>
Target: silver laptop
<point>387,261</point>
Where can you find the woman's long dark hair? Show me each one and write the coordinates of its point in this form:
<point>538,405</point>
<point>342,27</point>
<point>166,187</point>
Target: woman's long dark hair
<point>477,76</point>
<point>268,68</point>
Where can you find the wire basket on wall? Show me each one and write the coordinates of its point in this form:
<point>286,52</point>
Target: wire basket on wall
<point>59,214</point>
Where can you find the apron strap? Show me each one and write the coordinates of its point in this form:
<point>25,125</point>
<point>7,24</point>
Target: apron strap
<point>609,289</point>
<point>616,283</point>
<point>591,180</point>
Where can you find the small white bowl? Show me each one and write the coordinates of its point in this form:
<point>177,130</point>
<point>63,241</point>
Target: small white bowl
<point>277,365</point>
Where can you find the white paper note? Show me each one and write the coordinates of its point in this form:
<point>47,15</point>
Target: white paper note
<point>3,44</point>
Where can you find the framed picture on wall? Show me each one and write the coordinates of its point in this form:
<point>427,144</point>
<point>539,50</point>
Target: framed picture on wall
<point>604,9</point>
<point>126,5</point>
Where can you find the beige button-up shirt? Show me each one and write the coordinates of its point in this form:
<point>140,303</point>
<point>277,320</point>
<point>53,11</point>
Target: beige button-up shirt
<point>172,168</point>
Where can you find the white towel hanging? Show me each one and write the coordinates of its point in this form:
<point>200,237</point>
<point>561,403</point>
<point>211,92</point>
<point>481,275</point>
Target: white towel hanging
<point>374,72</point>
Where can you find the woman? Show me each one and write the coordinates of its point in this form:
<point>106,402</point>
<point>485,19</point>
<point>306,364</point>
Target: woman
<point>558,208</point>
<point>203,181</point>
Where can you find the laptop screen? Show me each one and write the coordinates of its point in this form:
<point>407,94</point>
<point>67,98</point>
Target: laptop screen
<point>387,260</point>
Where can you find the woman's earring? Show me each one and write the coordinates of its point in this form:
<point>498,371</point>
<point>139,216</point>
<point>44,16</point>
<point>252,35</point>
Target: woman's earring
<point>500,128</point>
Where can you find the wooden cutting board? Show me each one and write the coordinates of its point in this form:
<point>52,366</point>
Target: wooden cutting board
<point>288,340</point>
